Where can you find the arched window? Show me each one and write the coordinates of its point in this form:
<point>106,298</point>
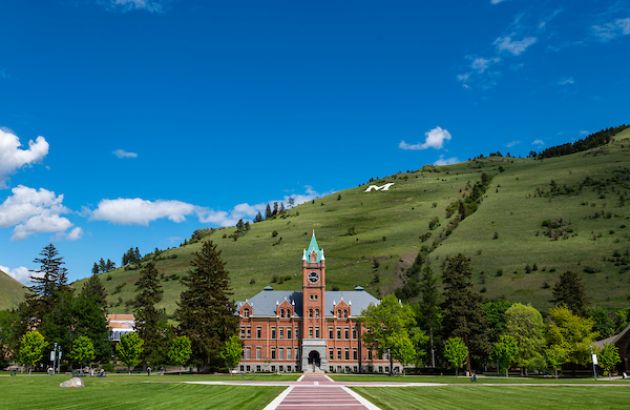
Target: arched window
<point>245,312</point>
<point>339,314</point>
<point>310,313</point>
<point>281,312</point>
<point>345,313</point>
<point>316,312</point>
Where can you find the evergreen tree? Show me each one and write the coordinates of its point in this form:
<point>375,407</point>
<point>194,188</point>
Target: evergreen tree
<point>150,321</point>
<point>429,308</point>
<point>95,269</point>
<point>110,265</point>
<point>463,316</point>
<point>258,217</point>
<point>205,310</point>
<point>48,279</point>
<point>275,209</point>
<point>90,314</point>
<point>268,212</point>
<point>281,210</point>
<point>569,291</point>
<point>102,265</point>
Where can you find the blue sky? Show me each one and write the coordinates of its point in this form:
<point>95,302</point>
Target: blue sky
<point>149,119</point>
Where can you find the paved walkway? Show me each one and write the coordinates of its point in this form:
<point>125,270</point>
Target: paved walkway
<point>316,391</point>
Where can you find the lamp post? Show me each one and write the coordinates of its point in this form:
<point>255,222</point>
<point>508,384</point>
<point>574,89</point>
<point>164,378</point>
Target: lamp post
<point>594,361</point>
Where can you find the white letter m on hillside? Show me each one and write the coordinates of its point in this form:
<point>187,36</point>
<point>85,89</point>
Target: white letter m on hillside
<point>379,188</point>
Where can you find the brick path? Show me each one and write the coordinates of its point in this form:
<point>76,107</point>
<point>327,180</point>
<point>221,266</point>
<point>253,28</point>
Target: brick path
<point>316,391</point>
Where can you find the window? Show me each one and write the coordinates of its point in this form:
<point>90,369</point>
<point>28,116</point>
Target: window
<point>331,354</point>
<point>310,313</point>
<point>273,354</point>
<point>242,332</point>
<point>339,313</point>
<point>310,332</point>
<point>339,354</point>
<point>258,353</point>
<point>317,332</point>
<point>355,354</point>
<point>297,332</point>
<point>331,333</point>
<point>369,355</point>
<point>273,332</point>
<point>281,332</point>
<point>313,297</point>
<point>249,332</point>
<point>347,354</point>
<point>338,333</point>
<point>280,354</point>
<point>259,332</point>
<point>245,312</point>
<point>354,332</point>
<point>258,368</point>
<point>316,312</point>
<point>248,353</point>
<point>281,312</point>
<point>289,354</point>
<point>347,333</point>
<point>288,333</point>
<point>345,313</point>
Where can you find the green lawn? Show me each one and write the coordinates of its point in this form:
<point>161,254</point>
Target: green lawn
<point>466,380</point>
<point>130,392</point>
<point>508,397</point>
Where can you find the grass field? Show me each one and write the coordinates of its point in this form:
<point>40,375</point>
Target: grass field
<point>466,380</point>
<point>360,228</point>
<point>505,397</point>
<point>129,392</point>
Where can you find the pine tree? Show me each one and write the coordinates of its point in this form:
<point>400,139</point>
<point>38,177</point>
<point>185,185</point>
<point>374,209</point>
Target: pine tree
<point>110,265</point>
<point>430,308</point>
<point>150,321</point>
<point>101,265</point>
<point>281,210</point>
<point>95,269</point>
<point>275,209</point>
<point>268,212</point>
<point>90,314</point>
<point>463,316</point>
<point>258,218</point>
<point>206,310</point>
<point>569,291</point>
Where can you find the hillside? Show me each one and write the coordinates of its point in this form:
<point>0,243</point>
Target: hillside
<point>11,291</point>
<point>371,237</point>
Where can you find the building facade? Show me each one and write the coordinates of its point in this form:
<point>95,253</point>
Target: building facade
<point>119,325</point>
<point>312,328</point>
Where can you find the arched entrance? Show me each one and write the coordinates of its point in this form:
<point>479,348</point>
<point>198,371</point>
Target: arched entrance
<point>313,358</point>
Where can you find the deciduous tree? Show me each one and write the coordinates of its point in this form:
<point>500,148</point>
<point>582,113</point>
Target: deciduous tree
<point>609,358</point>
<point>232,352</point>
<point>130,349</point>
<point>456,352</point>
<point>32,349</point>
<point>505,351</point>
<point>525,324</point>
<point>82,351</point>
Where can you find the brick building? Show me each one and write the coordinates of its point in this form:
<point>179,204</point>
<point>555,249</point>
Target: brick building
<point>294,330</point>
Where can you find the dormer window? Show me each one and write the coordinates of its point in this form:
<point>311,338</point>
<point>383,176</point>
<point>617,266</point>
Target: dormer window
<point>246,312</point>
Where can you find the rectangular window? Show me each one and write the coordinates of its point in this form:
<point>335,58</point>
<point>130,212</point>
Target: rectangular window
<point>331,333</point>
<point>347,332</point>
<point>369,355</point>
<point>273,354</point>
<point>248,353</point>
<point>273,333</point>
<point>347,354</point>
<point>249,332</point>
<point>310,332</point>
<point>259,332</point>
<point>317,332</point>
<point>339,354</point>
<point>289,354</point>
<point>289,333</point>
<point>242,332</point>
<point>258,353</point>
<point>281,332</point>
<point>280,354</point>
<point>331,354</point>
<point>354,332</point>
<point>297,332</point>
<point>338,333</point>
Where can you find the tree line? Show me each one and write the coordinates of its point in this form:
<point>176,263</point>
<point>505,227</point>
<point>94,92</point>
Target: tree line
<point>452,326</point>
<point>53,312</point>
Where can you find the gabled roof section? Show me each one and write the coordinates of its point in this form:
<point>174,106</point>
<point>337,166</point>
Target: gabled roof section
<point>313,247</point>
<point>265,303</point>
<point>359,300</point>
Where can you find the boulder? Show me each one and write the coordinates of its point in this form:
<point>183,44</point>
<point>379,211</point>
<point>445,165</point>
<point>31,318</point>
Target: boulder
<point>74,382</point>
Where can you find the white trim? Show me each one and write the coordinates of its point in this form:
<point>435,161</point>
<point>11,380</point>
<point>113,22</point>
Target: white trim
<point>301,377</point>
<point>365,402</point>
<point>276,402</point>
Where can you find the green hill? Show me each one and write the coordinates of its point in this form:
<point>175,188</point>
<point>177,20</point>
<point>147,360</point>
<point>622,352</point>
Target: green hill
<point>536,219</point>
<point>11,291</point>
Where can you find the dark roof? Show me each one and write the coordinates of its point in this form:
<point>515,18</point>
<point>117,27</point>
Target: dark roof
<point>612,339</point>
<point>264,303</point>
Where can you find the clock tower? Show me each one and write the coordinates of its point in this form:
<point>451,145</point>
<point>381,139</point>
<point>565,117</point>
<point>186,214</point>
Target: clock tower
<point>313,313</point>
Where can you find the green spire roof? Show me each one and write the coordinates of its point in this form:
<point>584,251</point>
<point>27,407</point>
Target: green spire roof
<point>313,246</point>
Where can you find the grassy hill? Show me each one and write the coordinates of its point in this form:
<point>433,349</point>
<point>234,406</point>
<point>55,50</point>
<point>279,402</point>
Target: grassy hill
<point>11,291</point>
<point>537,218</point>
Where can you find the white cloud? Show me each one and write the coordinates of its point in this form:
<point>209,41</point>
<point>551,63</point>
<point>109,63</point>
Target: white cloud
<point>152,6</point>
<point>495,2</point>
<point>122,154</point>
<point>514,47</point>
<point>512,143</point>
<point>12,157</point>
<point>434,138</point>
<point>538,142</point>
<point>137,211</point>
<point>31,211</point>
<point>21,274</point>
<point>566,81</point>
<point>612,29</point>
<point>479,72</point>
<point>446,161</point>
<point>75,234</point>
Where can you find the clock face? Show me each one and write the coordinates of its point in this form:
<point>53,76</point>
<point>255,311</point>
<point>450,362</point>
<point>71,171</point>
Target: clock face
<point>313,277</point>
